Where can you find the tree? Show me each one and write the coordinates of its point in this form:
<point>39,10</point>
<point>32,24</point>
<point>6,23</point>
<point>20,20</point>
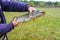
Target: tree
<point>55,4</point>
<point>58,4</point>
<point>31,3</point>
<point>42,4</point>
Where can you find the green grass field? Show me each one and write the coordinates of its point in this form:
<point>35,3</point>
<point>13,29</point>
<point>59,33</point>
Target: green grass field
<point>46,27</point>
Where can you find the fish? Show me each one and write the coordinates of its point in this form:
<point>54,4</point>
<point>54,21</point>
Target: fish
<point>27,17</point>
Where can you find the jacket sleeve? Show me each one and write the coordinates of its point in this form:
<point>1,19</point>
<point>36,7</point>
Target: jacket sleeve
<point>4,28</point>
<point>15,6</point>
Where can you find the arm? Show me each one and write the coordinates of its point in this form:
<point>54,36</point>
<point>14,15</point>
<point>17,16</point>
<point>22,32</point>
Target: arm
<point>4,28</point>
<point>14,6</point>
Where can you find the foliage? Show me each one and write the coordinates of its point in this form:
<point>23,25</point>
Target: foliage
<point>42,4</point>
<point>31,3</point>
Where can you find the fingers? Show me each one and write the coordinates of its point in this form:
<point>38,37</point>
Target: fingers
<point>15,23</point>
<point>31,9</point>
<point>14,19</point>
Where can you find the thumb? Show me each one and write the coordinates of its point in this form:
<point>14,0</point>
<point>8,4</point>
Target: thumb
<point>15,19</point>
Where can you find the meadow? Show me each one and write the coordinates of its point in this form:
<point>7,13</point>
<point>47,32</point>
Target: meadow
<point>46,27</point>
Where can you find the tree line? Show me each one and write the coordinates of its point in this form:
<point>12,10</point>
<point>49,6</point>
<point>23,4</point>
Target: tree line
<point>41,3</point>
<point>44,4</point>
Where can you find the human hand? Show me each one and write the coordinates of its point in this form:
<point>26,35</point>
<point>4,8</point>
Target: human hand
<point>15,23</point>
<point>30,9</point>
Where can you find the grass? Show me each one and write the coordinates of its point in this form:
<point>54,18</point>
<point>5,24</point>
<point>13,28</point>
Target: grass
<point>46,27</point>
